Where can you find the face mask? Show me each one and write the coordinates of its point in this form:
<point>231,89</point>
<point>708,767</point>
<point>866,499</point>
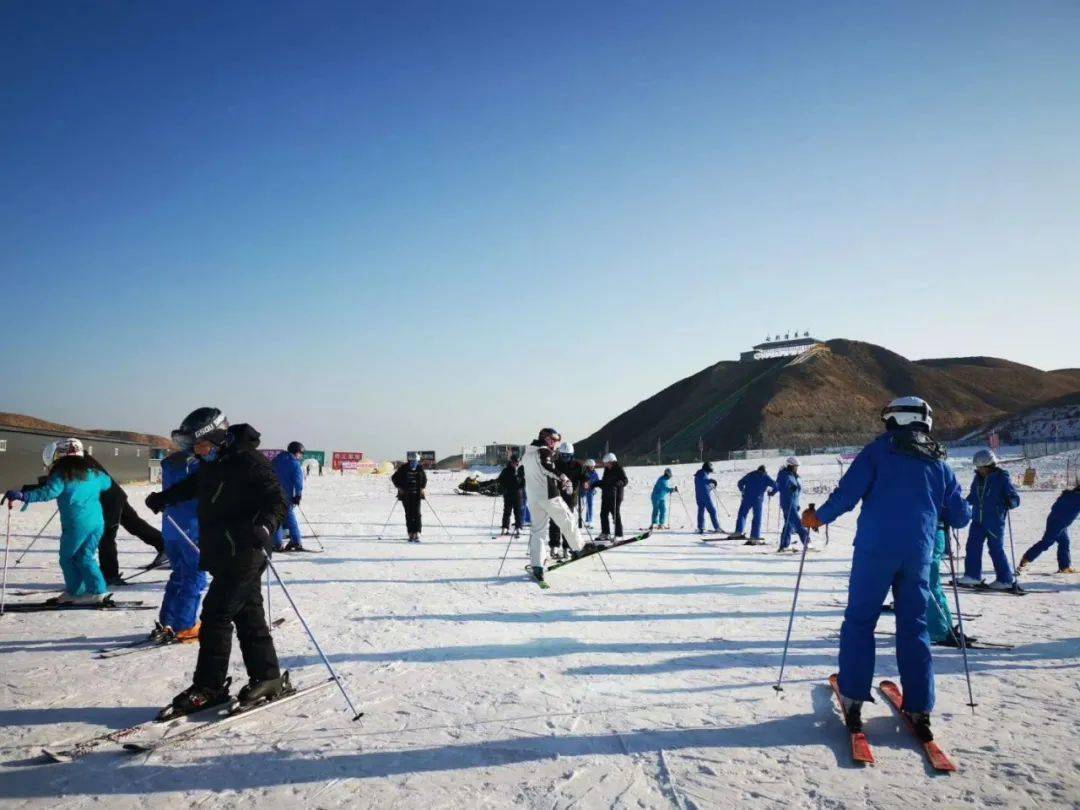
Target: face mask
<point>211,456</point>
<point>413,465</point>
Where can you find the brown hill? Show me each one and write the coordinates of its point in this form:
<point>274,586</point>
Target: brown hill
<point>832,395</point>
<point>18,420</point>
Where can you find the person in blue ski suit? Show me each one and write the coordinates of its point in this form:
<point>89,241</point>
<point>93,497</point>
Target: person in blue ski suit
<point>1062,514</point>
<point>790,488</point>
<point>991,497</point>
<point>661,498</point>
<point>76,487</point>
<point>290,474</point>
<point>588,490</point>
<point>906,488</point>
<point>703,487</point>
<point>753,487</point>
<point>179,614</point>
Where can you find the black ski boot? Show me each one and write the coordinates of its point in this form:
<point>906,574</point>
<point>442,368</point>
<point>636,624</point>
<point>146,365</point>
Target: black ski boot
<point>537,572</point>
<point>195,699</point>
<point>160,561</point>
<point>920,724</point>
<point>586,550</point>
<point>853,715</point>
<point>954,637</point>
<point>264,691</point>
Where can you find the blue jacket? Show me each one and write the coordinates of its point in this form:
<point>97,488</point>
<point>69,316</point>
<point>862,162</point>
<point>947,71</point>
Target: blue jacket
<point>290,474</point>
<point>662,488</point>
<point>174,469</point>
<point>78,500</point>
<point>703,486</point>
<point>754,484</point>
<point>790,488</point>
<point>991,498</point>
<point>904,497</point>
<point>1064,511</point>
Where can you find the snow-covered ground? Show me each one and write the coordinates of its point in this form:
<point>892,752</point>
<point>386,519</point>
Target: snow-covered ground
<point>651,689</point>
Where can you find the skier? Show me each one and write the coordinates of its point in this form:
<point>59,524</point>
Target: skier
<point>544,483</point>
<point>661,498</point>
<point>1062,514</point>
<point>290,475</point>
<point>906,489</point>
<point>76,487</point>
<point>611,496</point>
<point>575,472</point>
<point>240,506</point>
<point>588,490</point>
<point>939,619</point>
<point>703,487</point>
<point>511,485</point>
<point>790,487</point>
<point>411,482</point>
<point>178,619</point>
<point>992,495</point>
<point>753,486</point>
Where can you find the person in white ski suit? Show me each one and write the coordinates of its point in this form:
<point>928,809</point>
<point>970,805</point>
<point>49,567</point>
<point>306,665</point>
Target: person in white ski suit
<point>543,483</point>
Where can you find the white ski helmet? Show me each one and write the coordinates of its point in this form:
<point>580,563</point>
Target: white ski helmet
<point>590,463</point>
<point>610,457</point>
<point>908,411</point>
<point>567,448</point>
<point>985,458</point>
<point>59,449</point>
<point>792,461</point>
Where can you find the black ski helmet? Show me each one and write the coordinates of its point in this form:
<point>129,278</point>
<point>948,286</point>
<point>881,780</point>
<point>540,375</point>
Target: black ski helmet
<point>200,423</point>
<point>294,447</point>
<point>707,466</point>
<point>549,432</point>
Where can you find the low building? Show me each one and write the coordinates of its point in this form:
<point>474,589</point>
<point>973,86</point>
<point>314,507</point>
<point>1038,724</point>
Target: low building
<point>780,346</point>
<point>20,455</point>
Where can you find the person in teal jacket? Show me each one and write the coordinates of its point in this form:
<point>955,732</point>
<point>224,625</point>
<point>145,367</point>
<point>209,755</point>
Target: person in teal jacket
<point>661,498</point>
<point>76,487</point>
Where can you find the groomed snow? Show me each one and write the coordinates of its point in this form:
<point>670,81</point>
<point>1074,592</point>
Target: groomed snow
<point>652,690</point>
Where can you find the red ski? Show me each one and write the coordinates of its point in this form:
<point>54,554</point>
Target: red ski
<point>860,747</point>
<point>938,758</point>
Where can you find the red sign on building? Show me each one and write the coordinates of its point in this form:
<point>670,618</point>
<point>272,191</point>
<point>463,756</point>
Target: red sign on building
<point>350,459</point>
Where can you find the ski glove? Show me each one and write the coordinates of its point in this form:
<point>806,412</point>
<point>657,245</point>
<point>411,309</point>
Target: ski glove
<point>810,519</point>
<point>13,495</point>
<point>263,539</point>
<point>296,500</point>
<point>155,502</point>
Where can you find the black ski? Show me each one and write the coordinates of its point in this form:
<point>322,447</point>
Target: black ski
<point>225,716</point>
<point>618,544</point>
<point>1016,590</point>
<point>109,604</point>
<point>146,645</point>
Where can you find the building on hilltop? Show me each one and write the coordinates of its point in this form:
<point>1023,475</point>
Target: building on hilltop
<point>788,345</point>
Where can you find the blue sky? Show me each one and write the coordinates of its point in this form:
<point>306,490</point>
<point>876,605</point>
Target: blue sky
<point>382,226</point>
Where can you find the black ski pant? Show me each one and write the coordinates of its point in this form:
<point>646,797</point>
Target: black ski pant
<point>136,526</point>
<point>511,503</point>
<point>235,598</point>
<point>117,513</point>
<point>611,506</point>
<point>413,522</point>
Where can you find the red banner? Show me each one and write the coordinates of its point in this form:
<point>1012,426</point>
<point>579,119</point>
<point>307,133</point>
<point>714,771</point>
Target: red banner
<point>349,458</point>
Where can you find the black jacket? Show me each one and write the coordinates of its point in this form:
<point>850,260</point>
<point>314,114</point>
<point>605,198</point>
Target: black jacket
<point>578,475</point>
<point>511,481</point>
<point>240,504</point>
<point>613,481</point>
<point>410,481</point>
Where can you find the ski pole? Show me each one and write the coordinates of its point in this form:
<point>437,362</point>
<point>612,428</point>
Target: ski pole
<point>313,532</point>
<point>493,535</point>
<point>269,612</point>
<point>36,536</point>
<point>601,558</point>
<point>1012,550</point>
<point>720,502</point>
<point>7,550</point>
<point>383,530</point>
<point>436,514</point>
<point>270,567</point>
<point>768,514</point>
<point>960,616</point>
<point>826,535</point>
<point>791,619</point>
<point>689,522</point>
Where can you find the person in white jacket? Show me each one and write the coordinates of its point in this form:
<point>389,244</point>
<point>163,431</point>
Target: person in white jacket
<point>543,483</point>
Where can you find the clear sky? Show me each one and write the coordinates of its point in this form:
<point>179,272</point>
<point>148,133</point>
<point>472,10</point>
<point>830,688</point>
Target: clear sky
<point>380,226</point>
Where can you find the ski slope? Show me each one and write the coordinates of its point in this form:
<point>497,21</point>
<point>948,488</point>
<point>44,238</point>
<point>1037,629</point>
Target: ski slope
<point>650,689</point>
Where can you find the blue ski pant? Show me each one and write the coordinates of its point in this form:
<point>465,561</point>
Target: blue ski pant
<point>702,508</point>
<point>79,561</point>
<point>973,559</point>
<point>660,506</point>
<point>745,507</point>
<point>873,574</point>
<point>1052,536</point>
<point>793,523</point>
<point>587,498</point>
<point>293,526</point>
<point>184,590</point>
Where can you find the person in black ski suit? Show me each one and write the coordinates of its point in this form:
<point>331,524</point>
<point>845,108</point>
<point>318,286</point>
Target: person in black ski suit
<point>117,512</point>
<point>511,484</point>
<point>240,506</point>
<point>611,495</point>
<point>411,481</point>
<point>576,472</point>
